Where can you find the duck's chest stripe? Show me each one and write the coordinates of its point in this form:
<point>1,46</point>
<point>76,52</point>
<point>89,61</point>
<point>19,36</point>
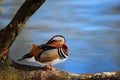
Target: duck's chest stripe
<point>61,53</point>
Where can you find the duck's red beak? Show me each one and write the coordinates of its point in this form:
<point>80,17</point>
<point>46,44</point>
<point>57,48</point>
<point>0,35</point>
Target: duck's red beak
<point>65,48</point>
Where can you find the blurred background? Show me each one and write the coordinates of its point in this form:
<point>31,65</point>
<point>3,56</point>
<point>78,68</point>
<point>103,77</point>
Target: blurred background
<point>91,28</point>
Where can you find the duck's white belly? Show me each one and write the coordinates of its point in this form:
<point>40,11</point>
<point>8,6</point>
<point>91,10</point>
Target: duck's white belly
<point>56,61</point>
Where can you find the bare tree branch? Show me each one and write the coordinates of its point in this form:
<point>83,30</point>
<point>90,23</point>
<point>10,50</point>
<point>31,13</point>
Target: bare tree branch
<point>9,34</point>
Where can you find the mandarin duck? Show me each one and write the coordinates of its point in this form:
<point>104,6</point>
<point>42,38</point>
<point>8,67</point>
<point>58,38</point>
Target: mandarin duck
<point>53,52</point>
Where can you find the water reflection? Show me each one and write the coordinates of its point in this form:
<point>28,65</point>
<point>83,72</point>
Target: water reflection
<point>91,29</point>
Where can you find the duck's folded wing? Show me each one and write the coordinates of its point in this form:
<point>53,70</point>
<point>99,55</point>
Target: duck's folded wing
<point>46,47</point>
<point>36,50</point>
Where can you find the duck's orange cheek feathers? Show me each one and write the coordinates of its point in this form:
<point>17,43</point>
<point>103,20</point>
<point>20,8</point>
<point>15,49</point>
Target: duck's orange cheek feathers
<point>35,50</point>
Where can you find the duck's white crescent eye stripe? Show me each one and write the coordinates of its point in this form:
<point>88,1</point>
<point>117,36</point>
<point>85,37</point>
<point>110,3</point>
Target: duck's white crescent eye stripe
<point>58,38</point>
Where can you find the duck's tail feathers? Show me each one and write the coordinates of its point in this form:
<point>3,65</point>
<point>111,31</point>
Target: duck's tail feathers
<point>28,55</point>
